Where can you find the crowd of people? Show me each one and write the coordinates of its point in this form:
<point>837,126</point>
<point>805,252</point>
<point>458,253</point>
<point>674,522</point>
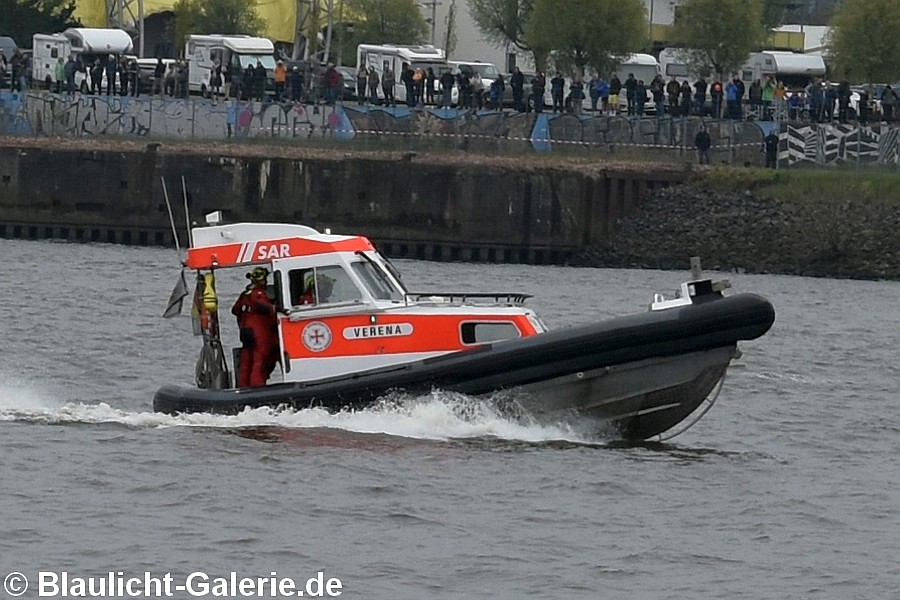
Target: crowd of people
<point>15,68</point>
<point>763,99</point>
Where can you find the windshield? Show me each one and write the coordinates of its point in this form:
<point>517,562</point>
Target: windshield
<point>267,60</point>
<point>644,73</point>
<point>376,281</point>
<point>487,71</point>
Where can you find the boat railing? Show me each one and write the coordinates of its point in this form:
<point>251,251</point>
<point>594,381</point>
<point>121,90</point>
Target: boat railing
<point>482,298</point>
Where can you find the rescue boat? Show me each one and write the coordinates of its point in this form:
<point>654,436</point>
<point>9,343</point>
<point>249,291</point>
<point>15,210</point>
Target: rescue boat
<point>640,376</point>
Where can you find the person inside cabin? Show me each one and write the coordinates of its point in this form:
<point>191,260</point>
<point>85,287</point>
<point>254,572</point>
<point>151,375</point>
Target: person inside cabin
<point>258,326</point>
<point>323,285</point>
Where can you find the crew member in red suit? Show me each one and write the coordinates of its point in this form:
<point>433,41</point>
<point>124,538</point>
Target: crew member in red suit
<point>258,325</point>
<point>325,287</point>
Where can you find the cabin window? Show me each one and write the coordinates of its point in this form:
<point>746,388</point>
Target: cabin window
<point>376,282</point>
<point>321,285</point>
<point>489,331</point>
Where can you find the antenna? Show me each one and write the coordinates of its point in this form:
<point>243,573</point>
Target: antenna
<point>171,217</point>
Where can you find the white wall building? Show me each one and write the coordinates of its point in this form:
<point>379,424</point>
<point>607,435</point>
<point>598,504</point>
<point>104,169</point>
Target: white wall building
<point>471,45</point>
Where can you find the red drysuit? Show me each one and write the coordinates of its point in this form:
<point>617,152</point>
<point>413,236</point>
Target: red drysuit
<point>255,314</point>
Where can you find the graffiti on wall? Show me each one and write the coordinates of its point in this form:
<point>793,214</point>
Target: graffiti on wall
<point>38,113</point>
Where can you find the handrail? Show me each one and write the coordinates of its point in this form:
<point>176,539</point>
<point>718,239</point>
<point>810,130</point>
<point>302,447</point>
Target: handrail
<point>513,298</point>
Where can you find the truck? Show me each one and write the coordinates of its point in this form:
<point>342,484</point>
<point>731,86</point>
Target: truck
<point>234,53</point>
<point>84,43</point>
<point>380,56</point>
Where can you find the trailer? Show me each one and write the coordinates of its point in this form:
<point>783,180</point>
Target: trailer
<point>793,69</point>
<point>234,53</point>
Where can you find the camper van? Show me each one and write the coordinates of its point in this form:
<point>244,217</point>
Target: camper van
<point>418,57</point>
<point>86,44</point>
<point>234,52</point>
<point>795,70</point>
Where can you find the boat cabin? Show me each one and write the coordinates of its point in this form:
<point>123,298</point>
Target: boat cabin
<point>342,306</point>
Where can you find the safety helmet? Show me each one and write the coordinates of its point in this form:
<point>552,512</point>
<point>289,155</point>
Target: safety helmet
<point>258,274</point>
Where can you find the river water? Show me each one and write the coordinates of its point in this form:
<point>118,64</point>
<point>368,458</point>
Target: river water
<point>787,488</point>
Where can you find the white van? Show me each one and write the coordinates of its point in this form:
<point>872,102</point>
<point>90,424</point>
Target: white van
<point>234,52</point>
<point>645,68</point>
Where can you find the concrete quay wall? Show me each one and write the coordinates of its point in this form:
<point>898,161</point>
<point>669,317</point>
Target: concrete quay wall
<point>415,206</point>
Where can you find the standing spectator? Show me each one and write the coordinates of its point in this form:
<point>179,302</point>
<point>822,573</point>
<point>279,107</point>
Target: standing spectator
<point>631,93</point>
<point>169,80</point>
<point>700,88</point>
<point>780,97</point>
<point>373,86</point>
<point>159,73</point>
<point>70,69</point>
<point>388,80</point>
<point>538,85</point>
<point>685,98</point>
<point>97,77</point>
<point>296,83</point>
<point>771,143</point>
<point>446,88</point>
<point>259,81</point>
<point>19,67</point>
<point>755,97</point>
<point>183,79</point>
<point>768,96</point>
<point>603,95</point>
<point>673,91</point>
<point>135,78</point>
<point>740,96</point>
<point>615,88</point>
<point>430,84</point>
<point>830,95</point>
<point>557,89</point>
<point>496,91</point>
<point>889,101</point>
<point>593,92</point>
<point>334,83</point>
<point>517,83</point>
<point>843,100</point>
<point>478,90</point>
<point>362,77</point>
<point>732,98</point>
<point>659,94</point>
<point>406,78</point>
<point>465,88</point>
<point>419,86</point>
<point>4,68</point>
<point>862,107</point>
<point>280,80</point>
<point>816,100</point>
<point>640,98</point>
<point>576,95</point>
<point>59,72</point>
<point>715,94</point>
<point>111,68</point>
<point>702,141</point>
<point>215,80</point>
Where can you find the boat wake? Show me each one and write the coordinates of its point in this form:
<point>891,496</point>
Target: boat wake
<point>439,416</point>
